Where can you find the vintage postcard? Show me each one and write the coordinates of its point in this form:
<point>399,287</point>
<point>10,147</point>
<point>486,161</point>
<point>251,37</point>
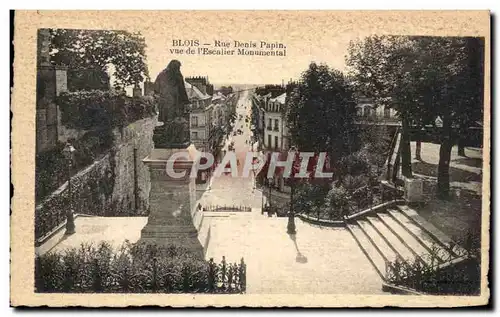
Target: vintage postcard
<point>251,158</point>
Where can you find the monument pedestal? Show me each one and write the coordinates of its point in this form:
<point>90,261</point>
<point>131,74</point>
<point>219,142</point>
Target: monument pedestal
<point>173,216</point>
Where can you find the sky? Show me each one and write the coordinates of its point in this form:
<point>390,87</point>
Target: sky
<point>314,37</point>
<point>319,36</point>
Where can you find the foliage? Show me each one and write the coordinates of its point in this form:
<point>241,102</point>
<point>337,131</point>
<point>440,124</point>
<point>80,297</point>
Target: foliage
<point>98,109</point>
<point>52,167</point>
<point>226,90</point>
<point>375,144</point>
<point>337,202</point>
<point>321,111</point>
<point>87,79</point>
<point>274,90</point>
<point>422,78</point>
<point>98,49</point>
<point>135,269</point>
<point>90,194</point>
<point>309,198</point>
<point>461,278</point>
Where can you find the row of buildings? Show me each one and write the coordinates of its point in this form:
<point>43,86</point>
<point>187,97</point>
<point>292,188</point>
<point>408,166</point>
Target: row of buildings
<point>210,114</point>
<point>269,122</point>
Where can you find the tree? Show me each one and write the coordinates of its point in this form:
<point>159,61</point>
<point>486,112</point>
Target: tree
<point>458,65</point>
<point>320,113</point>
<point>381,70</point>
<point>99,49</point>
<point>226,90</point>
<point>472,89</point>
<point>422,78</point>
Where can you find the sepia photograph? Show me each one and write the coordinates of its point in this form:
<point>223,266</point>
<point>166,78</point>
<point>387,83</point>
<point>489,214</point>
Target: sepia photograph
<point>165,163</point>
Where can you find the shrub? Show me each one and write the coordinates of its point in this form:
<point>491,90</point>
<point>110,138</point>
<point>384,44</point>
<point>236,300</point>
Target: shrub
<point>140,268</point>
<point>97,109</point>
<point>337,202</point>
<point>52,167</point>
<point>462,278</point>
<point>449,278</point>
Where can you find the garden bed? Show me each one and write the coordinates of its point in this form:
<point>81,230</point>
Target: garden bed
<point>135,269</point>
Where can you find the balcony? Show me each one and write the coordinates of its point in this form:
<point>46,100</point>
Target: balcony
<point>276,128</point>
<point>269,128</point>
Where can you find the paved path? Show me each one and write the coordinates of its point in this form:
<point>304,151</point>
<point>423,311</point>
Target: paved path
<point>114,230</point>
<point>320,260</point>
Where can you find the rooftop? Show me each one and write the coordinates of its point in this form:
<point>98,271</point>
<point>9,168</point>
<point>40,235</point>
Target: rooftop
<point>280,99</point>
<point>194,93</point>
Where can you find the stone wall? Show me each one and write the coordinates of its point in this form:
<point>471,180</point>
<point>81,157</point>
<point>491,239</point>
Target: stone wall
<point>117,184</point>
<point>132,184</point>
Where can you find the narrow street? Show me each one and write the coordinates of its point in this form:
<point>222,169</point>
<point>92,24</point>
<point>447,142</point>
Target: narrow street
<point>237,191</point>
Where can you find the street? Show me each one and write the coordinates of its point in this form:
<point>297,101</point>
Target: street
<point>238,191</point>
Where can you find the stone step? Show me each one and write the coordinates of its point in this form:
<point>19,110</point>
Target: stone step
<point>434,232</point>
<point>412,244</point>
<point>391,239</point>
<point>421,235</point>
<point>386,250</point>
<point>368,248</point>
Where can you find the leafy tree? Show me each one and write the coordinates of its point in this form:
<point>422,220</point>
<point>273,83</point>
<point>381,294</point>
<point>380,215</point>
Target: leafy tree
<point>457,65</point>
<point>320,113</point>
<point>472,88</point>
<point>380,67</point>
<point>422,78</point>
<point>226,90</point>
<point>274,90</point>
<point>98,49</point>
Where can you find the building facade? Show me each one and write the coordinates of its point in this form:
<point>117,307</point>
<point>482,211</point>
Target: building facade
<point>368,112</point>
<point>276,135</point>
<point>199,116</point>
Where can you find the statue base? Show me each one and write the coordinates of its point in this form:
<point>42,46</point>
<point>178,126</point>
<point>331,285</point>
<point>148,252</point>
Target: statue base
<point>173,215</point>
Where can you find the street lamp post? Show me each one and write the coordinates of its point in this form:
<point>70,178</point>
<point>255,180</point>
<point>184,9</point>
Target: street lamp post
<point>68,152</point>
<point>290,228</point>
<point>270,184</point>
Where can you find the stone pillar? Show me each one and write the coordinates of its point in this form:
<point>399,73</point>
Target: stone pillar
<point>61,74</point>
<point>413,190</point>
<point>173,216</point>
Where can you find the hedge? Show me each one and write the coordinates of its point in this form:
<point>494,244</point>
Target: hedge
<point>94,109</point>
<point>135,269</point>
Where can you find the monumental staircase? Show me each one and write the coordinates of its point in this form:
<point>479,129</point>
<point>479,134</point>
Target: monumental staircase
<point>399,232</point>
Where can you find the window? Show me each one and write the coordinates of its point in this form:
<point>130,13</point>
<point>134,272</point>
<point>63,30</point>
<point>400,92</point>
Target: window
<point>276,125</point>
<point>194,135</point>
<point>269,140</point>
<point>275,142</point>
<point>269,124</point>
<point>194,121</point>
